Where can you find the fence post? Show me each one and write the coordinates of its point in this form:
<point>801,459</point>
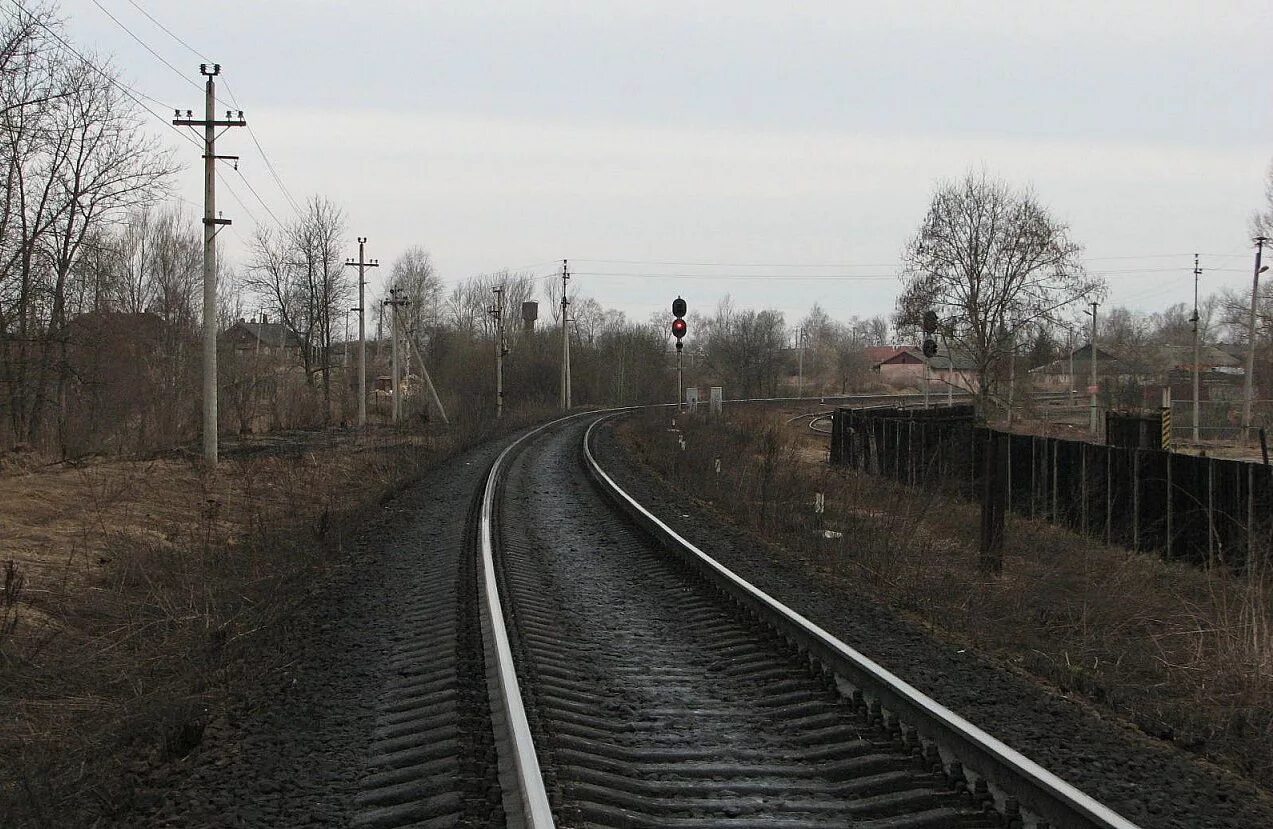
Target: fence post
<point>1083,488</point>
<point>1170,537</point>
<point>1007,476</point>
<point>1056,511</point>
<point>1135,499</point>
<point>993,497</point>
<point>1211,505</point>
<point>1109,493</point>
<point>1250,516</point>
<point>910,452</point>
<point>1034,475</point>
<point>897,450</point>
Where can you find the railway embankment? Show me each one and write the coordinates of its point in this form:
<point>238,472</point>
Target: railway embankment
<point>1142,682</point>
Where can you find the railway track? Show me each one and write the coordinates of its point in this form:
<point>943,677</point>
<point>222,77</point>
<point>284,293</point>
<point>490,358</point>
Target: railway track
<point>636,682</point>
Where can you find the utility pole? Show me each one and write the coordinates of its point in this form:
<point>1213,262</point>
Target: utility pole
<point>1197,385</point>
<point>497,312</point>
<point>565,338</point>
<point>1095,424</point>
<point>1249,391</point>
<point>800,362</point>
<point>394,304</point>
<point>362,264</point>
<point>210,221</point>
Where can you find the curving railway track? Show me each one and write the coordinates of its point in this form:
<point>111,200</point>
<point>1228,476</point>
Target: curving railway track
<point>636,682</point>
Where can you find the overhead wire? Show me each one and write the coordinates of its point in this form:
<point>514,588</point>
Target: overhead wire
<point>269,165</point>
<point>804,277</point>
<point>252,189</point>
<point>252,134</point>
<point>135,95</point>
<point>843,264</point>
<point>169,32</point>
<point>146,46</point>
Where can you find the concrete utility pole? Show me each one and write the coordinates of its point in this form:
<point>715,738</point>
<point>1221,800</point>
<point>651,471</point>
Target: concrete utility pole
<point>210,221</point>
<point>565,338</point>
<point>362,264</point>
<point>1197,368</point>
<point>394,304</point>
<point>1249,392</point>
<point>1095,419</point>
<point>497,312</point>
<point>800,362</point>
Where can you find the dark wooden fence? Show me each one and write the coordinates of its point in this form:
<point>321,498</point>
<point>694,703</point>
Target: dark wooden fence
<point>1201,510</point>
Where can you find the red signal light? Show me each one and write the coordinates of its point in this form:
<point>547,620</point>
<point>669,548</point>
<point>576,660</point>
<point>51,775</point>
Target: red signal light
<point>678,328</point>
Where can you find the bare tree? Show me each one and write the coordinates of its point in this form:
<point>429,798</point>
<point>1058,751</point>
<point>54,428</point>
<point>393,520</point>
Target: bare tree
<point>417,281</point>
<point>75,159</point>
<point>994,260</point>
<point>299,275</point>
<point>745,347</point>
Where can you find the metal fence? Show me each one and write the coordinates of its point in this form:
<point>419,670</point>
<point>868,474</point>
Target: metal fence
<point>1195,509</point>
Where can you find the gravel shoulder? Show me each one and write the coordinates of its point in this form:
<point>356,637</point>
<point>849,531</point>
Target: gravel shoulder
<point>1149,782</point>
<point>300,748</point>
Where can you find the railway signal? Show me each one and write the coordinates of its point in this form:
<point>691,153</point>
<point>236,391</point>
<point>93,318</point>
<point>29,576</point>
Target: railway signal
<point>930,328</point>
<point>929,347</point>
<point>678,330</point>
<point>678,325</point>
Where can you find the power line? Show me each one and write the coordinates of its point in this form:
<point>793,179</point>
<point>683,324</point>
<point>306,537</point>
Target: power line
<point>122,87</point>
<point>248,184</point>
<point>269,165</point>
<point>240,202</point>
<point>169,32</point>
<point>146,46</point>
<point>803,277</point>
<point>823,265</point>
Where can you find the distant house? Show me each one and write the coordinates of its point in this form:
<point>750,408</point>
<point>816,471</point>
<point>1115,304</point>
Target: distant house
<point>898,366</point>
<point>903,367</point>
<point>953,368</point>
<point>262,338</point>
<point>1220,372</point>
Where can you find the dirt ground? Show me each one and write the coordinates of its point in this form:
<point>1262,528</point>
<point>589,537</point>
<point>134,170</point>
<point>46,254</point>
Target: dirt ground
<point>135,595</point>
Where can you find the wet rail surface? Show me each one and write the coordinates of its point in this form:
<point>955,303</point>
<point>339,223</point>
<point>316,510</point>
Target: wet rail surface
<point>655,702</point>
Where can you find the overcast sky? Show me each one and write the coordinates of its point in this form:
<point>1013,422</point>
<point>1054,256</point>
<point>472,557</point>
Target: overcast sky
<point>774,140</point>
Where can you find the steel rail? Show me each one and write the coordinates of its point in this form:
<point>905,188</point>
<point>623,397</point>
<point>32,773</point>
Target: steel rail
<point>1038,790</point>
<point>536,811</point>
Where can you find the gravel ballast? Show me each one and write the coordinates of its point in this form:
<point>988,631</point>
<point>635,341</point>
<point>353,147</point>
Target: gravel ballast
<point>380,716</point>
<point>1149,782</point>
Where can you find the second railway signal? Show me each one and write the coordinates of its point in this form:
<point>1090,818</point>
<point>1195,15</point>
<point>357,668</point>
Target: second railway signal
<point>678,330</point>
<point>929,347</point>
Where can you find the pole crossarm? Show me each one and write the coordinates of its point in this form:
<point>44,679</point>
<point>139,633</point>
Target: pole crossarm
<point>190,122</point>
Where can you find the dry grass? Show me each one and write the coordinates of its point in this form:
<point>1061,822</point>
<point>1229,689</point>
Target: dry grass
<point>1183,653</point>
<point>137,596</point>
